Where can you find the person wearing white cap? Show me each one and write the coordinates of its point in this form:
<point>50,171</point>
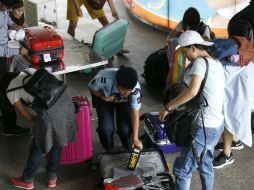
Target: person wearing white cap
<point>197,52</point>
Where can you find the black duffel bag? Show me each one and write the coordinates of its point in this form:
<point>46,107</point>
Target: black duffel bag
<point>44,87</point>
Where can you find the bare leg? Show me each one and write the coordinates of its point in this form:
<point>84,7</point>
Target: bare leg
<point>227,139</point>
<point>72,27</point>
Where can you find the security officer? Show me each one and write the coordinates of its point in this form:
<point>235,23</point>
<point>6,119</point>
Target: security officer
<point>117,90</point>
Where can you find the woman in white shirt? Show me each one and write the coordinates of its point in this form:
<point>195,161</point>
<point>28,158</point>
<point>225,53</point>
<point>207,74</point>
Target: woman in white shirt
<point>195,49</point>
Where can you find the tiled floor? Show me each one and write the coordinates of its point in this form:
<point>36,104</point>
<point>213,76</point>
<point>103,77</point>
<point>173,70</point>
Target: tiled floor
<point>141,40</point>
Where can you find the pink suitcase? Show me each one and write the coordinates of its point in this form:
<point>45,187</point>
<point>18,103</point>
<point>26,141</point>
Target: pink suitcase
<point>81,149</point>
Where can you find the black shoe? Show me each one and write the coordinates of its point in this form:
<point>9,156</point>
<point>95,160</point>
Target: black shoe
<point>123,51</point>
<point>222,160</point>
<point>15,131</point>
<point>234,146</point>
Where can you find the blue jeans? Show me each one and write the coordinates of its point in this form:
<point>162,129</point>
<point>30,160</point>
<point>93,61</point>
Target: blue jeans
<point>186,164</point>
<point>35,159</point>
<point>106,112</point>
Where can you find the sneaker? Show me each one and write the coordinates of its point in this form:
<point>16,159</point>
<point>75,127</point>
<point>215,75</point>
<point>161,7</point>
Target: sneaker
<point>19,183</point>
<point>15,131</point>
<point>123,51</point>
<point>222,160</point>
<point>52,182</point>
<point>234,146</point>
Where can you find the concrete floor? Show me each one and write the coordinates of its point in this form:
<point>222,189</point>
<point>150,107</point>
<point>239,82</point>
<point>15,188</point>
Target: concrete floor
<point>141,40</point>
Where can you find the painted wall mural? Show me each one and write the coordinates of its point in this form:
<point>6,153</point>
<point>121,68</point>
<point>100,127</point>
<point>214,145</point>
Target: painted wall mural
<point>167,13</point>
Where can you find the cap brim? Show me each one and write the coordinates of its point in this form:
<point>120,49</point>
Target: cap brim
<point>206,43</point>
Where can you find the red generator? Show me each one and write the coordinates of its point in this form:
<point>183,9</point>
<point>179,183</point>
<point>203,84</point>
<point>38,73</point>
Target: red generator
<point>44,44</point>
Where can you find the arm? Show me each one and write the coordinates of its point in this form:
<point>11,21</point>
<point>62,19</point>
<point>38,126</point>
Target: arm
<point>135,128</point>
<point>172,34</point>
<point>206,34</point>
<point>24,25</point>
<point>184,97</point>
<point>23,111</point>
<point>113,9</point>
<point>9,52</point>
<point>100,94</point>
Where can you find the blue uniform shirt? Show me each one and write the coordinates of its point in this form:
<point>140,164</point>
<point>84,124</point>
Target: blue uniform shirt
<point>6,21</point>
<point>105,80</point>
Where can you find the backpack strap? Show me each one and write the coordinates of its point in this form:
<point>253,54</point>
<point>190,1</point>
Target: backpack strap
<point>19,87</point>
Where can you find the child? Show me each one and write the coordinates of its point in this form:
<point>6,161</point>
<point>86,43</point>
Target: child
<point>17,14</point>
<point>191,21</point>
<point>9,116</point>
<point>117,90</point>
<point>53,128</point>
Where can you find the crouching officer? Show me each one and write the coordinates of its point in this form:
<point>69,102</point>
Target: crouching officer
<point>117,92</point>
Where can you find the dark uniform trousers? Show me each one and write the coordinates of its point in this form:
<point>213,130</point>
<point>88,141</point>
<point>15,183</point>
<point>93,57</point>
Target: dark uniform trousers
<point>106,112</point>
<point>8,112</point>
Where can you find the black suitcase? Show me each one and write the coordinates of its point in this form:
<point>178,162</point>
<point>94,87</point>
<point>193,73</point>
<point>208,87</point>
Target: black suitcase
<point>151,168</point>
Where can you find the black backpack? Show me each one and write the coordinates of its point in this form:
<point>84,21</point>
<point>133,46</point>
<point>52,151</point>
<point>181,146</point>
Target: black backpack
<point>156,68</point>
<point>44,87</point>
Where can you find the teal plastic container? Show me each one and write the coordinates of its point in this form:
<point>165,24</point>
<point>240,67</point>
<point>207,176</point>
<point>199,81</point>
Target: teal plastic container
<point>109,40</point>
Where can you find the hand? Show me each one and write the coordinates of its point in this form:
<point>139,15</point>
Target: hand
<point>137,143</point>
<point>12,34</point>
<point>108,98</point>
<point>20,35</point>
<point>79,12</point>
<point>163,113</point>
<point>23,51</point>
<point>115,14</point>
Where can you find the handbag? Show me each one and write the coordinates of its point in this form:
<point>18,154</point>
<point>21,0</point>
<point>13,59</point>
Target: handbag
<point>97,4</point>
<point>181,123</point>
<point>44,87</point>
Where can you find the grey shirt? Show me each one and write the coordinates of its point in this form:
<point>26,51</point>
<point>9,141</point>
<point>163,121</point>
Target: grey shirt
<point>5,22</point>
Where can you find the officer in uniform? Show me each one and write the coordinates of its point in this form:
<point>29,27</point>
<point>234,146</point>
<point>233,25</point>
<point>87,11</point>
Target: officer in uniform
<point>117,91</point>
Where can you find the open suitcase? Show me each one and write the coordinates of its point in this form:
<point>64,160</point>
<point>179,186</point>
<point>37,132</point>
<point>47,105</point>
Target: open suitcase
<point>154,128</point>
<point>151,171</point>
<point>109,40</point>
<point>81,149</point>
<point>44,44</point>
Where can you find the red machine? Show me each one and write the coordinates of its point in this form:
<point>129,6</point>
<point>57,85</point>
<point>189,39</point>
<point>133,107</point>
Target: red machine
<point>44,44</point>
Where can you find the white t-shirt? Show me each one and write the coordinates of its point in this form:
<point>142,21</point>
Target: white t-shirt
<point>213,90</point>
<point>19,94</point>
<point>179,28</point>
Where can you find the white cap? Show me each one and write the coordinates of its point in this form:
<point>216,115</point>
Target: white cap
<point>190,37</point>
